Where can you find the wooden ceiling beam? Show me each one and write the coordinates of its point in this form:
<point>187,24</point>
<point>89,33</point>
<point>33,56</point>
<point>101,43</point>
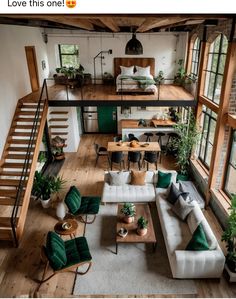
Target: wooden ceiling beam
<point>109,22</point>
<point>97,23</point>
<point>83,24</point>
<point>151,23</point>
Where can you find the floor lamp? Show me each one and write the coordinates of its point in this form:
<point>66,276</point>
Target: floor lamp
<point>101,57</point>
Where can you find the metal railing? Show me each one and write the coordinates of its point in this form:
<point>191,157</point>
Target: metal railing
<point>25,173</point>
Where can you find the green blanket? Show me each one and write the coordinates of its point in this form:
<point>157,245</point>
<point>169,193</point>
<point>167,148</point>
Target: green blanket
<point>143,81</point>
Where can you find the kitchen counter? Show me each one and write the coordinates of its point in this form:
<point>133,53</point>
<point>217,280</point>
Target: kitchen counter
<point>152,123</point>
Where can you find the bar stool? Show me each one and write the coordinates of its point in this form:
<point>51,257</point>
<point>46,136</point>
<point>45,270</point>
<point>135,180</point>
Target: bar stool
<point>149,135</point>
<point>159,139</point>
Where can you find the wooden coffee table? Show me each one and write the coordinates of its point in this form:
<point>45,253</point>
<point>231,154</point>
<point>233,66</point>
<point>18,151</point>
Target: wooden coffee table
<point>66,232</point>
<point>132,236</point>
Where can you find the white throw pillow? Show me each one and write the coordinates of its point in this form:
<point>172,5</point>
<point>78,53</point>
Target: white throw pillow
<point>194,219</point>
<point>142,71</point>
<point>119,178</point>
<point>127,71</point>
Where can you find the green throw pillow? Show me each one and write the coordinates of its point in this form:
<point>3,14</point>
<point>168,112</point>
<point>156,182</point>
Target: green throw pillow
<point>73,199</point>
<point>198,241</point>
<point>164,179</point>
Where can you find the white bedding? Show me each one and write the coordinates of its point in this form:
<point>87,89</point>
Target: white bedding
<point>131,84</point>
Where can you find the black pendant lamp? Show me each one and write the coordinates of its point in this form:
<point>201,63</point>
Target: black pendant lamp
<point>134,47</point>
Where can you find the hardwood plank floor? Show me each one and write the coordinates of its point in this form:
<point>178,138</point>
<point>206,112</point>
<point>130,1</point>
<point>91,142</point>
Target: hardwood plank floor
<point>18,267</point>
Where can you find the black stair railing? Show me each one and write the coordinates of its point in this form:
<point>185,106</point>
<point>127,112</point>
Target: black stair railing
<point>25,173</point>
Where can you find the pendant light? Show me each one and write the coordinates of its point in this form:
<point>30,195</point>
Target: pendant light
<point>134,47</point>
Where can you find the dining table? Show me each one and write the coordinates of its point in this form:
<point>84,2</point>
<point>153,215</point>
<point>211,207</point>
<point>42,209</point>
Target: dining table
<point>139,147</point>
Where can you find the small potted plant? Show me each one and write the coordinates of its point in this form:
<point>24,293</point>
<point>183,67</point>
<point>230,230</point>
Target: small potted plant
<point>160,78</point>
<point>128,210</point>
<point>142,226</point>
<point>229,236</point>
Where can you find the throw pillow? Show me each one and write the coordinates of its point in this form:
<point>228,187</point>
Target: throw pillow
<point>164,179</point>
<point>198,241</point>
<point>118,178</point>
<point>181,208</point>
<point>73,199</point>
<point>138,177</point>
<point>127,71</point>
<point>142,71</point>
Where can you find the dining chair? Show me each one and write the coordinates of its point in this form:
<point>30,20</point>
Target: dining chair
<point>159,140</point>
<point>134,157</point>
<point>118,158</point>
<point>100,152</point>
<point>150,158</point>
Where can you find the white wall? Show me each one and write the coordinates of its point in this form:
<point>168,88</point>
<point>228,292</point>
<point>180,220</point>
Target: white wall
<point>165,47</point>
<point>14,77</point>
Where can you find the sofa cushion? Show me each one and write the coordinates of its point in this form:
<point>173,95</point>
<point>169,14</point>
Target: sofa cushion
<point>164,179</point>
<point>211,239</point>
<point>173,177</point>
<point>138,177</point>
<point>119,178</point>
<point>181,208</point>
<point>198,241</point>
<point>73,199</point>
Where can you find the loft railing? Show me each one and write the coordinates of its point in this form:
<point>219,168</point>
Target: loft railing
<point>25,172</point>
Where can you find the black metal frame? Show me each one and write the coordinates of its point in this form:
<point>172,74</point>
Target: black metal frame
<point>211,118</point>
<point>66,54</point>
<point>229,163</point>
<point>49,150</point>
<point>24,175</point>
<point>216,72</point>
<point>197,51</point>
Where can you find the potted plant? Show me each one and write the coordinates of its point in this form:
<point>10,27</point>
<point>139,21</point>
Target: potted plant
<point>229,236</point>
<point>187,138</point>
<point>128,210</point>
<point>181,73</point>
<point>160,78</point>
<point>58,144</point>
<point>142,226</point>
<point>44,186</point>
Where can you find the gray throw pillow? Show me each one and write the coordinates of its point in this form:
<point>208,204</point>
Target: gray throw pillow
<point>174,194</point>
<point>181,208</point>
<point>119,178</point>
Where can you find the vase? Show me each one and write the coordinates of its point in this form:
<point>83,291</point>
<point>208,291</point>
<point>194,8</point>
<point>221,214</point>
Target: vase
<point>128,219</point>
<point>46,203</point>
<point>61,210</point>
<point>141,231</point>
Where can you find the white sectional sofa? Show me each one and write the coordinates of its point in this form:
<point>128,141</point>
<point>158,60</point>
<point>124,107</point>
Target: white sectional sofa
<point>177,233</point>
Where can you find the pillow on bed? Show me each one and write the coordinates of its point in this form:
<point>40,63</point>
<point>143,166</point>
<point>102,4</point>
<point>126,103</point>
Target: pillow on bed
<point>127,71</point>
<point>142,71</point>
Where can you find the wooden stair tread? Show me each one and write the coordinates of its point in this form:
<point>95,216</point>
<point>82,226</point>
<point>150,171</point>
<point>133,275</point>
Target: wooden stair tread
<point>21,141</point>
<point>10,182</point>
<point>18,149</point>
<point>30,113</point>
<point>58,127</point>
<point>30,106</point>
<point>6,221</point>
<point>18,156</point>
<point>24,119</point>
<point>9,193</point>
<point>58,119</point>
<point>9,201</point>
<point>13,165</point>
<point>28,134</point>
<point>59,133</point>
<point>59,112</point>
<point>12,173</point>
<point>25,127</point>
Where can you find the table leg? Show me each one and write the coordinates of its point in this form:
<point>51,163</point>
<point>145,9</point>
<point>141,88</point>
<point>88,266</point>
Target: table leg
<point>154,246</point>
<point>116,248</point>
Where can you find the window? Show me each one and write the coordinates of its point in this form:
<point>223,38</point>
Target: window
<point>69,55</point>
<point>208,124</point>
<point>230,186</point>
<point>215,68</point>
<point>195,57</point>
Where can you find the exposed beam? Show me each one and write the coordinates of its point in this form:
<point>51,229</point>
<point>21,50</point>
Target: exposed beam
<point>151,23</point>
<point>97,22</point>
<point>110,24</point>
<point>76,22</point>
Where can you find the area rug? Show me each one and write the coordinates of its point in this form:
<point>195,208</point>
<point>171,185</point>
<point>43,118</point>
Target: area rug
<point>135,270</point>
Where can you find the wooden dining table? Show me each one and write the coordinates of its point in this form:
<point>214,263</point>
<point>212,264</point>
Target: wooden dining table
<point>125,147</point>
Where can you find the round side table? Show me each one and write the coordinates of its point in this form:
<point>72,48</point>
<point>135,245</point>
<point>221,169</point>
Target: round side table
<point>66,232</point>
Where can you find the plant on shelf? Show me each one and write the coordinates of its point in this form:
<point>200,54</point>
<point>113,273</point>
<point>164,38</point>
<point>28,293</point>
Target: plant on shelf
<point>188,135</point>
<point>70,72</point>
<point>160,78</point>
<point>229,236</point>
<point>142,226</point>
<point>45,185</point>
<point>128,210</point>
<point>58,144</point>
<point>181,77</point>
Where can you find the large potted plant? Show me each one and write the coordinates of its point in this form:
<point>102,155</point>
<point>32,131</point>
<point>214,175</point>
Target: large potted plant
<point>128,210</point>
<point>229,236</point>
<point>187,138</point>
<point>44,186</point>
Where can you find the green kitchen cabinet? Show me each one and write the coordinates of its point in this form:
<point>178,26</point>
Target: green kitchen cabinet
<point>107,119</point>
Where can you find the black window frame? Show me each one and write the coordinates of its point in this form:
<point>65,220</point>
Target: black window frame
<point>216,73</point>
<point>211,118</point>
<point>197,54</point>
<point>229,163</point>
<point>76,53</point>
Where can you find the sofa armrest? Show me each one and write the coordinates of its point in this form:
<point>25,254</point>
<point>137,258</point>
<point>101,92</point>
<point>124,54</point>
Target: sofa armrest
<point>198,264</point>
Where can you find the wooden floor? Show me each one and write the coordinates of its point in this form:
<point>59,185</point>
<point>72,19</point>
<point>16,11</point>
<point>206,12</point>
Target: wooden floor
<point>108,93</point>
<point>18,267</point>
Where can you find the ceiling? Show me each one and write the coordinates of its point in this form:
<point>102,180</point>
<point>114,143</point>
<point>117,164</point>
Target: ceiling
<point>112,23</point>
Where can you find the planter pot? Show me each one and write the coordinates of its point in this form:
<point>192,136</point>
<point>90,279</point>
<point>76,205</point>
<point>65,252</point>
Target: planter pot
<point>46,203</point>
<point>231,265</point>
<point>59,157</point>
<point>61,210</point>
<point>128,219</point>
<point>182,177</point>
<point>141,231</point>
<point>231,276</point>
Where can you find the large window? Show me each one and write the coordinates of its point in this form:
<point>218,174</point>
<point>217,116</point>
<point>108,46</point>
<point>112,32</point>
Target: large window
<point>215,68</point>
<point>208,124</point>
<point>195,57</point>
<point>69,55</point>
<point>230,181</point>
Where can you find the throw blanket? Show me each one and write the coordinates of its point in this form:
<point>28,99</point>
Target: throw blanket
<point>143,81</point>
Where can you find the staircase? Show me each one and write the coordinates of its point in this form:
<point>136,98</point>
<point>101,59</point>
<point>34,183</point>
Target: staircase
<point>18,165</point>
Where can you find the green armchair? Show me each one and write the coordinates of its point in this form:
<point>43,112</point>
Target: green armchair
<point>82,205</point>
<point>64,256</point>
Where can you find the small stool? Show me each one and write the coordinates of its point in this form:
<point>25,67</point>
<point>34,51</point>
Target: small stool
<point>149,135</point>
<point>159,139</point>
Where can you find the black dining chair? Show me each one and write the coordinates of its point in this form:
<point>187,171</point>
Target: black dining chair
<point>150,158</point>
<point>100,152</point>
<point>118,158</point>
<point>159,140</point>
<point>134,157</point>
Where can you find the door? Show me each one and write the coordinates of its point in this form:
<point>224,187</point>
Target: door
<point>107,122</point>
<point>32,67</point>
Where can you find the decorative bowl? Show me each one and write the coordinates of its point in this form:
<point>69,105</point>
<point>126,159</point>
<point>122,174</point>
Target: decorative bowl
<point>66,225</point>
<point>123,232</point>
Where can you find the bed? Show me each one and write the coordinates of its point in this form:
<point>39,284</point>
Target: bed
<point>135,75</point>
